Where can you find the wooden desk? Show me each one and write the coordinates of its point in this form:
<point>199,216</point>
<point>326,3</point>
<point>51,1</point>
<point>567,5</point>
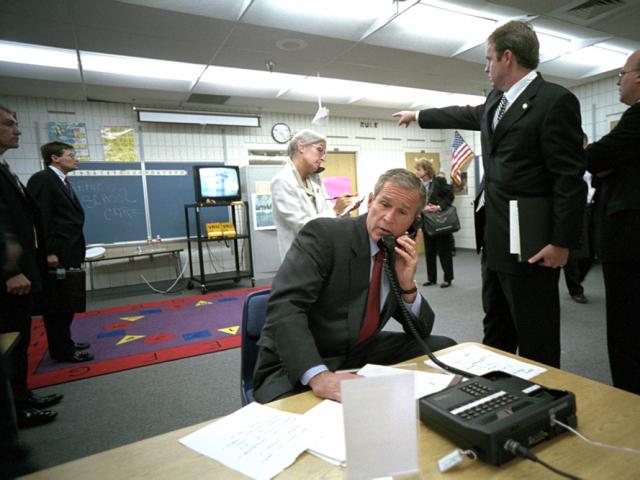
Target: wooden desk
<point>8,341</point>
<point>131,254</point>
<point>605,414</point>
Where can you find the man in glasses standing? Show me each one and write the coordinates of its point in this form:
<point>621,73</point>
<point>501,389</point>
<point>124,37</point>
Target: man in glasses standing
<point>615,160</point>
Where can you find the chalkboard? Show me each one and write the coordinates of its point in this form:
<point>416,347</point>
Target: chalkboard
<point>112,196</point>
<point>113,204</point>
<point>169,188</point>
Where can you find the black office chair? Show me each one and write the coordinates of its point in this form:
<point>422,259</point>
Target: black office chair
<point>254,314</point>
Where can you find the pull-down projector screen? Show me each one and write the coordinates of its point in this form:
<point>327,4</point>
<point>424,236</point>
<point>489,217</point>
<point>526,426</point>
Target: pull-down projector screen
<point>198,118</point>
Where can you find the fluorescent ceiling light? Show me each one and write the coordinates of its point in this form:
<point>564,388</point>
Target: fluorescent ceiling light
<point>37,55</point>
<point>248,79</point>
<point>198,118</point>
<point>446,25</point>
<point>140,67</point>
<point>602,58</point>
<point>552,45</point>
<point>329,11</point>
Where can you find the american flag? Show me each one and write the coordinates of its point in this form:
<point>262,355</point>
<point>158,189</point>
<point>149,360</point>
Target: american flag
<point>460,156</point>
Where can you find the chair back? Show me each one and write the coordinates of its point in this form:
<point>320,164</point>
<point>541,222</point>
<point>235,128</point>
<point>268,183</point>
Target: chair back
<point>254,314</point>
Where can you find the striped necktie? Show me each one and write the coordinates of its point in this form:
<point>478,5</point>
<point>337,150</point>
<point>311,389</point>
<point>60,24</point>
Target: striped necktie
<point>502,107</point>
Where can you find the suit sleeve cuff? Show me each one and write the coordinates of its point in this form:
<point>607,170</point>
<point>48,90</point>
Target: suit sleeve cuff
<point>312,372</point>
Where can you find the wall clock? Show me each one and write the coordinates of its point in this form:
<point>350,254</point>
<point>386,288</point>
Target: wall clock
<point>281,132</point>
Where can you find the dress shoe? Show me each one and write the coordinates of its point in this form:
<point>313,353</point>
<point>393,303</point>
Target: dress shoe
<point>76,357</point>
<point>32,417</point>
<point>445,285</point>
<point>81,345</point>
<point>44,401</point>
<point>428,284</point>
<point>580,298</point>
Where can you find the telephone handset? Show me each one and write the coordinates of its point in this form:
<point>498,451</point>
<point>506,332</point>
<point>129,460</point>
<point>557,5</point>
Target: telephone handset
<point>387,244</point>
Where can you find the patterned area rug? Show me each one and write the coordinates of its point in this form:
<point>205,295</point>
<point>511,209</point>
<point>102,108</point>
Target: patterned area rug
<point>138,335</point>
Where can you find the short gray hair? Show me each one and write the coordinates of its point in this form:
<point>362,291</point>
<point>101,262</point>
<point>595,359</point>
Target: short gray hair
<point>307,137</point>
<point>405,179</point>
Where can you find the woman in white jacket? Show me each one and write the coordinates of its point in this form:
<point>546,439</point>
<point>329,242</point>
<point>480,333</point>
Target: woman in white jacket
<point>297,192</point>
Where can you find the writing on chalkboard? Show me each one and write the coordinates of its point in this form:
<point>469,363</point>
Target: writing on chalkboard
<point>115,201</point>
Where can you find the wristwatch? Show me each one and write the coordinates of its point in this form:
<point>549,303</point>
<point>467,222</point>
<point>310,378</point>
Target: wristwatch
<point>411,290</point>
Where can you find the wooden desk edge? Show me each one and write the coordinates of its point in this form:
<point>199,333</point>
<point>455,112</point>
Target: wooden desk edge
<point>8,340</point>
<point>162,457</point>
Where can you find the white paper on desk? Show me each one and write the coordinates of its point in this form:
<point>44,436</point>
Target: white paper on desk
<point>381,431</point>
<point>478,360</point>
<point>326,423</point>
<point>425,383</point>
<point>257,441</point>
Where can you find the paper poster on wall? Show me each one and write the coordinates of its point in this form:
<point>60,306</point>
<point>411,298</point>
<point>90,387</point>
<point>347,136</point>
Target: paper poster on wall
<point>119,144</point>
<point>262,211</point>
<point>74,134</point>
<point>263,187</point>
<point>336,186</point>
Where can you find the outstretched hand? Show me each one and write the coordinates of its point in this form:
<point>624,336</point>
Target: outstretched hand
<point>405,117</point>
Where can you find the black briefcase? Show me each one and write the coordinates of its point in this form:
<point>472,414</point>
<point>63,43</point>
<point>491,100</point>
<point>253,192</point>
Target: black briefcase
<point>64,291</point>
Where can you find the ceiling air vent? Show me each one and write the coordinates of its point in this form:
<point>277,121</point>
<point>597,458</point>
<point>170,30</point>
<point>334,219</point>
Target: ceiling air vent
<point>208,99</point>
<point>594,8</point>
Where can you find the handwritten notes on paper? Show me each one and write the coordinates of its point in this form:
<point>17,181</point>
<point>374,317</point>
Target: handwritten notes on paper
<point>257,441</point>
<point>478,360</point>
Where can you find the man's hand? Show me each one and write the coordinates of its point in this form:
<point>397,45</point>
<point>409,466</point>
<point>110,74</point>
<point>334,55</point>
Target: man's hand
<point>327,384</point>
<point>18,285</point>
<point>405,117</point>
<point>407,263</point>
<point>551,256</point>
<point>52,260</point>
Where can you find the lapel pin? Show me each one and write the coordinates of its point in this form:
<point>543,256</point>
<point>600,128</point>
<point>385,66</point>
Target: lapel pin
<point>525,106</point>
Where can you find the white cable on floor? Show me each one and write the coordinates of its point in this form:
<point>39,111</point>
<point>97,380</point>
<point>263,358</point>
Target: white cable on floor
<point>168,290</point>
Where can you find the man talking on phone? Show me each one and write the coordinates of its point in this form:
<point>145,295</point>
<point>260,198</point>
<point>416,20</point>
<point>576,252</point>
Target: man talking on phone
<point>332,297</point>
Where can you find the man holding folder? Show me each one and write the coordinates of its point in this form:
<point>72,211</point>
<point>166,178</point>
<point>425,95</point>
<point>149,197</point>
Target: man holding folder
<point>532,147</point>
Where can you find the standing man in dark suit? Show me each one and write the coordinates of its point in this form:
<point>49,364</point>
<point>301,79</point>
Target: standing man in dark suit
<point>439,197</point>
<point>331,298</point>
<point>531,145</point>
<point>617,154</point>
<point>19,220</point>
<point>62,221</point>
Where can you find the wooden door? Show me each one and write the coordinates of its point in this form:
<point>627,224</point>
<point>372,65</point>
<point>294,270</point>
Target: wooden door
<point>341,164</point>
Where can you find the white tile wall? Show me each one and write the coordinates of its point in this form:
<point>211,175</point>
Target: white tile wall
<point>378,151</point>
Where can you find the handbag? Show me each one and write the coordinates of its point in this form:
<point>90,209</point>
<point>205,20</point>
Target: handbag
<point>441,223</point>
<point>64,291</point>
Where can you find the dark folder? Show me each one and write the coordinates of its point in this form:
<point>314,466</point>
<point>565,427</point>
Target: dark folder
<point>534,223</point>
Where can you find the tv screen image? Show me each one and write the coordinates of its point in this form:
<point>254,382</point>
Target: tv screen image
<point>220,183</point>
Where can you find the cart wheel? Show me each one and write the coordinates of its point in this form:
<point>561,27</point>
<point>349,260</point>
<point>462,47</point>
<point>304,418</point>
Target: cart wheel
<point>203,289</point>
<point>190,285</point>
<point>253,282</point>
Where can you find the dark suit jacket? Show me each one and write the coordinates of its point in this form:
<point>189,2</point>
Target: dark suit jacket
<point>441,193</point>
<point>62,217</point>
<point>317,305</point>
<point>619,192</point>
<point>19,219</point>
<point>535,152</point>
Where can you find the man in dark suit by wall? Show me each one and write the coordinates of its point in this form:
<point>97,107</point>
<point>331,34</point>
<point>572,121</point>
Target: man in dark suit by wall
<point>19,220</point>
<point>328,305</point>
<point>616,157</point>
<point>62,221</point>
<point>531,145</point>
